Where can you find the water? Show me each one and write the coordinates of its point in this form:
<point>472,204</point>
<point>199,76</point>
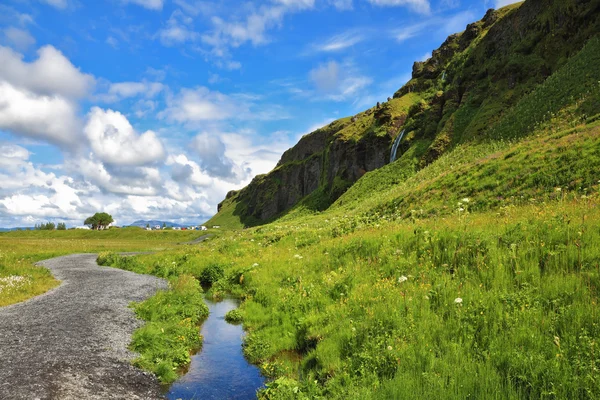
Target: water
<point>395,147</point>
<point>219,370</point>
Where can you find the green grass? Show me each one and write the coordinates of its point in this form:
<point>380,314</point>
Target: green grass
<point>331,315</point>
<point>20,250</point>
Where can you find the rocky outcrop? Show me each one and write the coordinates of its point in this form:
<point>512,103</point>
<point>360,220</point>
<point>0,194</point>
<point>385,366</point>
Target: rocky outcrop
<point>321,162</point>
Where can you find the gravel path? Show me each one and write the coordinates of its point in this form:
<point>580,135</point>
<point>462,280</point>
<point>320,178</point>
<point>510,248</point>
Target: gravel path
<point>71,343</point>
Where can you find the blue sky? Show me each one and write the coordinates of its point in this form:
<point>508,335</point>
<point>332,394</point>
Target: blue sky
<point>156,108</point>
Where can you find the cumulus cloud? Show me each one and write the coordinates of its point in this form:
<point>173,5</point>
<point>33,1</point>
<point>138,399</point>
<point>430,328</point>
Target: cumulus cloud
<point>200,104</point>
<point>113,140</point>
<point>51,74</point>
<point>193,106</point>
<point>420,6</point>
<point>18,38</point>
<point>211,150</point>
<point>184,170</point>
<point>45,117</point>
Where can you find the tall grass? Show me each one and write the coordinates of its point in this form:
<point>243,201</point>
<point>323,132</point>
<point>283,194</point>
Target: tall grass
<point>497,305</point>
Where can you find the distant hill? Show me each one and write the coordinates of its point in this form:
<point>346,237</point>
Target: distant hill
<point>143,223</point>
<point>16,229</point>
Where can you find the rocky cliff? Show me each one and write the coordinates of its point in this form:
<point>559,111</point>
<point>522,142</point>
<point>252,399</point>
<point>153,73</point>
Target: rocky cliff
<point>458,95</point>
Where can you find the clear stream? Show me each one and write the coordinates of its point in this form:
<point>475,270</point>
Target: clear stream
<point>219,370</point>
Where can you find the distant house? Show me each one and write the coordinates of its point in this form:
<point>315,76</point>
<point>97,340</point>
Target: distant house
<point>216,226</point>
<point>157,227</point>
<point>176,228</point>
<point>203,228</point>
<point>148,229</point>
<point>83,227</point>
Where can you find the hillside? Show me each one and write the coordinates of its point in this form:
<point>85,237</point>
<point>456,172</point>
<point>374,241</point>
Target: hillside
<point>514,72</point>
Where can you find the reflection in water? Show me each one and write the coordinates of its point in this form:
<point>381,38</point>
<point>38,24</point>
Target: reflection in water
<point>219,370</point>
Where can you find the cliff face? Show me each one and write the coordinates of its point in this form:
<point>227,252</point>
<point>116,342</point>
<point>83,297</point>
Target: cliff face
<point>323,163</point>
<point>456,96</point>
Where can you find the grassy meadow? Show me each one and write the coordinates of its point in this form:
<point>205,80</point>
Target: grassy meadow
<point>499,304</point>
<point>20,279</point>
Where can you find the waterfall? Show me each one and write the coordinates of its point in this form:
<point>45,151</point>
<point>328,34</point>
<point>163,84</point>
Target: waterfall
<point>395,146</point>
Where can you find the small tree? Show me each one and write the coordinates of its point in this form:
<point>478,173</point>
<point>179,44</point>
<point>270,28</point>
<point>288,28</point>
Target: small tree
<point>61,226</point>
<point>99,220</point>
<point>164,225</point>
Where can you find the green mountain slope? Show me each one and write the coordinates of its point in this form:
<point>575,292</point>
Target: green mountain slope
<point>519,70</point>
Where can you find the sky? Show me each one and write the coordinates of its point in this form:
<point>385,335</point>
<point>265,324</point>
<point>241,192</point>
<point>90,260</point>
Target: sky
<point>155,109</point>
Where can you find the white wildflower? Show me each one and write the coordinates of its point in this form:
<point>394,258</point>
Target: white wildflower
<point>255,265</point>
<point>298,256</point>
<point>402,279</point>
<point>458,300</point>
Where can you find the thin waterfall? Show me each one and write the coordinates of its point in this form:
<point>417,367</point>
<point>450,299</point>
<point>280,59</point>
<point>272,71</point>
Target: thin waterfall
<point>395,146</point>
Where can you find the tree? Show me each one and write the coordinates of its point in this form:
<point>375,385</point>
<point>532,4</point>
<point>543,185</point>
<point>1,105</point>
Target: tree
<point>99,221</point>
<point>61,226</point>
<point>49,226</point>
<point>164,225</point>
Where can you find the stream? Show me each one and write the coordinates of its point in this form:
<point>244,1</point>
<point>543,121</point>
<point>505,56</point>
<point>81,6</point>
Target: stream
<point>219,370</point>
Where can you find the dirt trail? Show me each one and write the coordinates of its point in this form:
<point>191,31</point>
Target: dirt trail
<point>71,343</point>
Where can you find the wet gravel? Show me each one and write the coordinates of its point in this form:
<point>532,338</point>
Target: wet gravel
<point>71,343</point>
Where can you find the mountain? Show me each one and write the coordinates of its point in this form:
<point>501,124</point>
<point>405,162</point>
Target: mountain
<point>153,223</point>
<point>526,68</point>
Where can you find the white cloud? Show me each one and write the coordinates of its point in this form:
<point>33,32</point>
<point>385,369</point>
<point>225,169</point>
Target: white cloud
<point>439,26</point>
<point>56,3</point>
<point>203,105</point>
<point>18,38</point>
<point>200,104</point>
<point>149,4</point>
<point>46,117</point>
<point>51,74</point>
<point>177,30</point>
<point>211,150</point>
<point>420,6</point>
<point>12,154</point>
<point>342,4</point>
<point>114,141</point>
<point>338,82</point>
<point>251,28</point>
<point>123,90</point>
<point>339,42</point>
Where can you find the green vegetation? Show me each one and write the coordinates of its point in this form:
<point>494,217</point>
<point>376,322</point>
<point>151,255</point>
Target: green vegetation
<point>99,220</point>
<point>20,279</point>
<point>171,332</point>
<point>500,304</point>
